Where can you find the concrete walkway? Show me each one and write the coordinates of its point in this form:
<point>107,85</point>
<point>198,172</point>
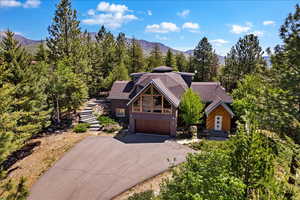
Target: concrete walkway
<point>99,167</point>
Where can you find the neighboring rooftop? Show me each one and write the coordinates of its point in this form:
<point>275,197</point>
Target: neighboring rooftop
<point>162,69</point>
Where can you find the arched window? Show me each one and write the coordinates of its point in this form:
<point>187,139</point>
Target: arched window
<point>151,101</point>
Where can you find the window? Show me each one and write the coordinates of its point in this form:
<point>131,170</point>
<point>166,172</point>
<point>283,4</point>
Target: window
<point>151,101</point>
<point>120,112</point>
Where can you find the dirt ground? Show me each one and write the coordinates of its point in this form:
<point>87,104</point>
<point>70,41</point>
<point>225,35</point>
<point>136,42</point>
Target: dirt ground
<point>150,184</point>
<point>51,149</point>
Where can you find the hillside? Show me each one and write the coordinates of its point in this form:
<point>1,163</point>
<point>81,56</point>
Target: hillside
<point>32,45</point>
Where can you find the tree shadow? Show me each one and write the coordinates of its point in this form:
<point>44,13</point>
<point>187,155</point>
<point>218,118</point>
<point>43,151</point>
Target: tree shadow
<point>141,138</point>
<point>20,154</point>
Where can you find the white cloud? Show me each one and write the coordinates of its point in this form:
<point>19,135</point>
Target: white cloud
<point>15,3</point>
<point>114,8</point>
<point>161,38</point>
<point>149,12</point>
<point>266,23</point>
<point>111,20</point>
<point>258,33</point>
<point>184,13</point>
<point>91,12</point>
<point>219,41</point>
<point>237,29</point>
<point>32,4</point>
<point>112,16</point>
<point>163,27</point>
<point>10,3</point>
<point>190,25</point>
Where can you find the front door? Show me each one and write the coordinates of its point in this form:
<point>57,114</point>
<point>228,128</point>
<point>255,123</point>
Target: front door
<point>218,123</point>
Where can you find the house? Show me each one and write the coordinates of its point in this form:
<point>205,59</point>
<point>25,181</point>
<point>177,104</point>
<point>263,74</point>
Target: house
<point>151,100</point>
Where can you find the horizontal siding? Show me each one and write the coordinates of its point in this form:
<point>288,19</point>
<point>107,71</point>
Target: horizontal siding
<point>226,121</point>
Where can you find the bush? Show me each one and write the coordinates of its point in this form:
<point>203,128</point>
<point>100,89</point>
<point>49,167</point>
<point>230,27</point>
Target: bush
<point>105,120</point>
<point>208,145</point>
<point>147,195</point>
<point>81,128</point>
<point>205,175</point>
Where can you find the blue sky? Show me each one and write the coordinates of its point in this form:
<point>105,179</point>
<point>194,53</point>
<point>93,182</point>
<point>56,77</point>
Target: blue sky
<point>178,24</point>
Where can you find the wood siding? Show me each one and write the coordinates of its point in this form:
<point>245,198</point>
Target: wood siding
<point>117,103</point>
<point>226,121</point>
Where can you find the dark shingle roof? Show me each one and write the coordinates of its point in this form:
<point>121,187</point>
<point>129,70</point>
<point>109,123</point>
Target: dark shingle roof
<point>209,91</point>
<point>121,90</point>
<point>162,69</point>
<point>173,81</point>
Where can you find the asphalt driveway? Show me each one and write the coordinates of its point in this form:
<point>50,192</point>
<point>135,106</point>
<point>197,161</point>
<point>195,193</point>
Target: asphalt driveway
<point>102,167</point>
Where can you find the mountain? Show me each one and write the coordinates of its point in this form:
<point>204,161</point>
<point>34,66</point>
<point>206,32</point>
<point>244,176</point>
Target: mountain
<point>31,45</point>
<point>22,40</point>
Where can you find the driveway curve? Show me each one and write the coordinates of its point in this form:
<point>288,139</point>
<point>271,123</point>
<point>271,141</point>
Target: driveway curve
<point>101,167</point>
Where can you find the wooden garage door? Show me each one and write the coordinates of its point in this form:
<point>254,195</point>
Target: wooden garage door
<point>152,126</point>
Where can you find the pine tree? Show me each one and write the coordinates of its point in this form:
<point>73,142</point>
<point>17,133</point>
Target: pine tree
<point>181,62</point>
<point>42,53</point>
<point>64,32</point>
<point>121,49</point>
<point>170,60</point>
<point>286,76</point>
<point>136,57</point>
<point>155,59</point>
<point>244,58</point>
<point>29,82</point>
<point>107,45</point>
<point>119,73</point>
<point>205,62</point>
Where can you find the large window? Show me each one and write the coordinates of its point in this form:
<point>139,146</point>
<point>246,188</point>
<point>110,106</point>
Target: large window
<point>151,101</point>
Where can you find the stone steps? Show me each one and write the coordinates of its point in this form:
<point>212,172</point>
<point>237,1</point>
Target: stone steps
<point>86,115</point>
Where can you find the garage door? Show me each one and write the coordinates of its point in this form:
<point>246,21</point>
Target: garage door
<point>152,126</point>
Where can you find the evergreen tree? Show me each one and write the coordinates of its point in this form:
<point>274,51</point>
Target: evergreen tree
<point>66,90</point>
<point>244,58</point>
<point>205,62</point>
<point>286,76</point>
<point>155,59</point>
<point>64,33</point>
<point>30,84</point>
<point>170,60</point>
<point>107,45</point>
<point>121,49</point>
<point>42,54</point>
<point>136,57</point>
<point>181,62</point>
<point>119,73</point>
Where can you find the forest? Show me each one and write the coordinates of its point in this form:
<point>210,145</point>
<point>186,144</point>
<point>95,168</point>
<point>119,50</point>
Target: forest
<point>262,160</point>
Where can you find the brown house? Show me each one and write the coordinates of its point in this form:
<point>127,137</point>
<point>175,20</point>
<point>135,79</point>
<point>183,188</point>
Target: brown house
<point>150,101</point>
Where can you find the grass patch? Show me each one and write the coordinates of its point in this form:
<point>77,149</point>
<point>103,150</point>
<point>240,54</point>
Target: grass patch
<point>105,120</point>
<point>81,128</point>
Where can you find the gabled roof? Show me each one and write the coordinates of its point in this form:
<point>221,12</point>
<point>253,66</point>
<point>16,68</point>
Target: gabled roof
<point>218,101</point>
<point>209,91</point>
<point>159,85</point>
<point>121,90</point>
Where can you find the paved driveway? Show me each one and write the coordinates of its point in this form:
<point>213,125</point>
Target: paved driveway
<point>102,167</point>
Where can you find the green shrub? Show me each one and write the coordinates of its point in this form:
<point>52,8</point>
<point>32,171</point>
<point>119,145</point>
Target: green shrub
<point>105,120</point>
<point>81,128</point>
<point>147,195</point>
<point>207,145</point>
